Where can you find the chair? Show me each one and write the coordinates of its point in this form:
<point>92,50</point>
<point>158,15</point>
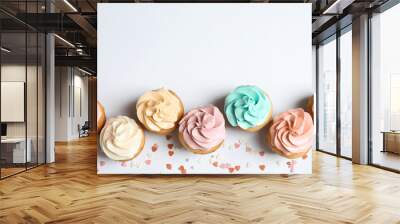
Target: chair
<point>84,129</point>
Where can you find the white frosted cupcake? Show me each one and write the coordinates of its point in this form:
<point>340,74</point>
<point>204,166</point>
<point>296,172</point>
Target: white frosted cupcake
<point>121,138</point>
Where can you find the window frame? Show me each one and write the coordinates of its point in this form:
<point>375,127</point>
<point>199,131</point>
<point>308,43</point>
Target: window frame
<point>334,37</point>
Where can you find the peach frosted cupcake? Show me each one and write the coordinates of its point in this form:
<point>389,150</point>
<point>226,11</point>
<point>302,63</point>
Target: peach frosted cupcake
<point>291,133</point>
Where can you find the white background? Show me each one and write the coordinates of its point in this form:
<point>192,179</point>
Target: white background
<point>202,52</point>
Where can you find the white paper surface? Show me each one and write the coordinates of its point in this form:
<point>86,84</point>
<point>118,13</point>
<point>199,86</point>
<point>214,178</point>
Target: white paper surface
<point>202,52</point>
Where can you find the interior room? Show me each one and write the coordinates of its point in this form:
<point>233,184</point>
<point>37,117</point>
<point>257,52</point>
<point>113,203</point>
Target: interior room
<point>22,102</point>
<point>153,111</point>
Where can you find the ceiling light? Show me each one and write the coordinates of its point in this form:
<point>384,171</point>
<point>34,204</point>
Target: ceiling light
<point>65,41</point>
<point>84,71</point>
<point>70,5</point>
<point>337,7</point>
<point>5,50</point>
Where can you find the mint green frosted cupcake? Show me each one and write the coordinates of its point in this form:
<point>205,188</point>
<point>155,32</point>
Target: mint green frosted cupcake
<point>248,107</point>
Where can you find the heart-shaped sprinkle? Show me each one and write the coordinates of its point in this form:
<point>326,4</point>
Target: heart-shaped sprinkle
<point>170,146</point>
<point>262,167</point>
<point>154,147</point>
<point>305,156</point>
<point>231,169</point>
<point>215,164</point>
<point>262,153</point>
<point>169,166</point>
<point>291,165</point>
<point>148,162</point>
<point>182,169</point>
<point>237,167</point>
<point>168,137</point>
<point>236,145</point>
<point>170,153</point>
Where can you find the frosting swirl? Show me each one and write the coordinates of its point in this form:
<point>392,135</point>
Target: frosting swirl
<point>247,107</point>
<point>121,138</point>
<point>203,128</point>
<point>292,132</point>
<point>159,109</point>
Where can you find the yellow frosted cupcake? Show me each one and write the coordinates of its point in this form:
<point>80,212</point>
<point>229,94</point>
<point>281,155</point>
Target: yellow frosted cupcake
<point>159,111</point>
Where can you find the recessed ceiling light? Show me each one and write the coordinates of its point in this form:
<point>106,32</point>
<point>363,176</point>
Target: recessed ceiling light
<point>70,5</point>
<point>84,71</point>
<point>337,7</point>
<point>64,40</point>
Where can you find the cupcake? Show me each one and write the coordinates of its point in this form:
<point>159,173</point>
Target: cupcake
<point>101,117</point>
<point>121,138</point>
<point>159,111</point>
<point>202,130</point>
<point>310,106</point>
<point>248,107</point>
<point>291,133</point>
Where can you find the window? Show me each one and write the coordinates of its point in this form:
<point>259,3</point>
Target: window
<point>346,94</point>
<point>385,89</point>
<point>335,94</point>
<point>22,75</point>
<point>326,114</point>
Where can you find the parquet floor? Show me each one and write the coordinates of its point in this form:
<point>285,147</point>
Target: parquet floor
<point>69,191</point>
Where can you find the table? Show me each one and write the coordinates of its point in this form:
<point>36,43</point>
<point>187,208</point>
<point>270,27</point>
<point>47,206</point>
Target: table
<point>391,141</point>
<point>17,150</point>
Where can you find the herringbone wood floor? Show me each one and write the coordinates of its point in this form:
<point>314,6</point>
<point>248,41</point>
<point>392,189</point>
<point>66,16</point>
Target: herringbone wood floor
<point>69,191</point>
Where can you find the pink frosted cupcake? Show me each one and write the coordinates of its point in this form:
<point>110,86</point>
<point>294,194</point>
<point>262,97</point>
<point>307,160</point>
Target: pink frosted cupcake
<point>202,130</point>
<point>292,133</point>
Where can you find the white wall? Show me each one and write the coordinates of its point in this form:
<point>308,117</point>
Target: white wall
<point>62,81</point>
<point>70,83</point>
<point>16,72</point>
